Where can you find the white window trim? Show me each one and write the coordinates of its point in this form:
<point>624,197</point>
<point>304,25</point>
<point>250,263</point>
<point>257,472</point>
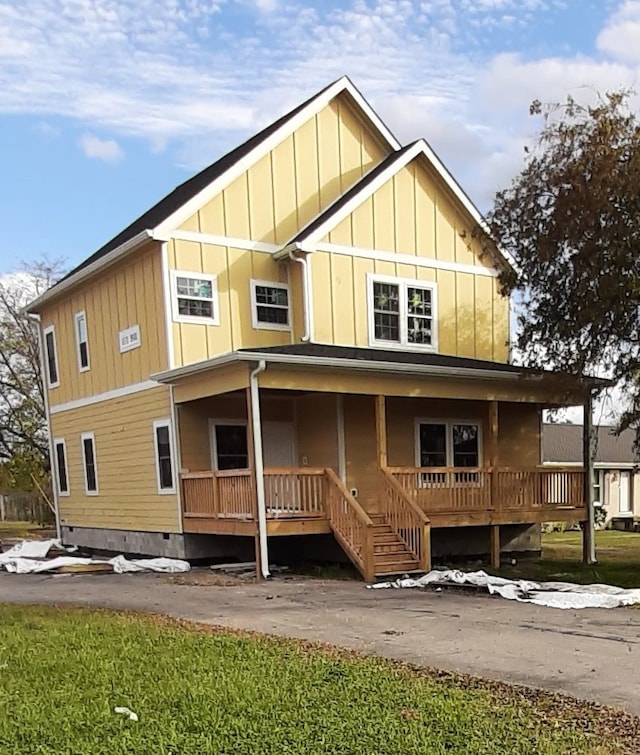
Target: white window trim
<point>157,424</point>
<point>82,315</point>
<point>89,436</point>
<point>175,314</point>
<point>61,442</point>
<point>403,284</point>
<point>126,332</point>
<point>257,324</point>
<point>212,438</point>
<point>51,329</point>
<point>449,423</point>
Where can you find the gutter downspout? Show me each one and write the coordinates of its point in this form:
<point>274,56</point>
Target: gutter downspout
<point>45,393</point>
<point>259,467</point>
<point>306,336</point>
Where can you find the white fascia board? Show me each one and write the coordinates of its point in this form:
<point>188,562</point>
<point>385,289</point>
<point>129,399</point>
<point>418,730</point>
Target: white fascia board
<point>170,376</point>
<point>420,147</point>
<point>315,106</point>
<point>108,259</point>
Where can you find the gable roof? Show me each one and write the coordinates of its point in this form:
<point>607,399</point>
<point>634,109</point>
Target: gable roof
<point>318,228</point>
<point>562,443</point>
<point>178,205</point>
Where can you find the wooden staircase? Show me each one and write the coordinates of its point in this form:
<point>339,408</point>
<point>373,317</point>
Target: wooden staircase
<point>390,554</point>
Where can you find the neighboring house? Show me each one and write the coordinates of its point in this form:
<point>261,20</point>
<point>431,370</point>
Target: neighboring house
<point>616,466</point>
<point>302,344</point>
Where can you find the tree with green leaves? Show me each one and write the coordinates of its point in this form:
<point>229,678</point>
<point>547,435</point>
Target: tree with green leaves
<point>24,447</point>
<point>571,223</point>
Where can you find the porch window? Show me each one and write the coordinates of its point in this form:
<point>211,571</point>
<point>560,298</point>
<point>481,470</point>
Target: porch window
<point>194,297</point>
<point>164,460</point>
<point>270,305</point>
<point>61,466</point>
<point>231,451</point>
<point>88,445</point>
<point>402,313</point>
<point>51,357</point>
<point>448,444</point>
<point>82,341</point>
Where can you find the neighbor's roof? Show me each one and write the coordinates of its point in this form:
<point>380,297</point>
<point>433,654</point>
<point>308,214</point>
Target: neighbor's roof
<point>562,443</point>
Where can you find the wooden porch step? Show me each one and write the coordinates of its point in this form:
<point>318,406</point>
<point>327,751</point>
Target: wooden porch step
<point>388,548</point>
<point>397,567</point>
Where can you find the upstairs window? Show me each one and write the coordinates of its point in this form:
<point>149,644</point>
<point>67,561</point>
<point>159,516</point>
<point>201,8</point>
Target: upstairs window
<point>270,305</point>
<point>194,297</point>
<point>82,341</point>
<point>88,447</point>
<point>402,313</point>
<point>51,357</point>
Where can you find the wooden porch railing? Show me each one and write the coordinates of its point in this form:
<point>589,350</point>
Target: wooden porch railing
<point>407,519</point>
<point>351,525</point>
<point>294,492</point>
<point>219,495</point>
<point>465,489</point>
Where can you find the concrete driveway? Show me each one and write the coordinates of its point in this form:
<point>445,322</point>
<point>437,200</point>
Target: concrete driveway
<point>591,654</point>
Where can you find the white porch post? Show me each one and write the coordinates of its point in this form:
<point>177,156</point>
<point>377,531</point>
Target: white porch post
<point>256,427</point>
<point>589,439</point>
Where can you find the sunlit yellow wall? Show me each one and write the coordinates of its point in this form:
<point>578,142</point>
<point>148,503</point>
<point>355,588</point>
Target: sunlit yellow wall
<point>127,294</point>
<point>412,214</point>
<point>289,186</point>
<point>128,496</point>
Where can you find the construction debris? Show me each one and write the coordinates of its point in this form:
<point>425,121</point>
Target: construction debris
<point>34,557</point>
<point>550,594</point>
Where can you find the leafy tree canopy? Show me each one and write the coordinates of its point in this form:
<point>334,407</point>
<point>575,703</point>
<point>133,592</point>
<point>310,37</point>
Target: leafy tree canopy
<point>571,222</point>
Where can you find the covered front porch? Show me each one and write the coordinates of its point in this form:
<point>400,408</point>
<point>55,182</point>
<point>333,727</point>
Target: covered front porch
<point>312,452</point>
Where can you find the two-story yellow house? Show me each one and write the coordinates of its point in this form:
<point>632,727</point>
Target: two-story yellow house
<point>301,345</point>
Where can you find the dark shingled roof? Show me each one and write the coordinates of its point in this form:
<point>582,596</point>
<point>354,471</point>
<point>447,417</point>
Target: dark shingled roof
<point>356,353</point>
<point>189,189</point>
<point>343,199</point>
<point>563,444</point>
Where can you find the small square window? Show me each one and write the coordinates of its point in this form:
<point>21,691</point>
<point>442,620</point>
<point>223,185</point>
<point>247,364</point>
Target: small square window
<point>129,338</point>
<point>194,297</point>
<point>270,305</point>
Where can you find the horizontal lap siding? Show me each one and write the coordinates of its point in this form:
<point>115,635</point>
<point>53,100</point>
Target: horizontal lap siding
<point>127,294</point>
<point>413,215</point>
<point>125,457</point>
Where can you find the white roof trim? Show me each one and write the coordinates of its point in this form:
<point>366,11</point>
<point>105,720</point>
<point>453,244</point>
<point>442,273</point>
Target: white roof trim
<point>169,376</point>
<point>108,259</point>
<point>236,170</point>
<point>420,147</point>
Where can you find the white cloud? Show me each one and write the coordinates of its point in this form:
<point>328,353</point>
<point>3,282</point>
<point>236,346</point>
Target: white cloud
<point>107,150</point>
<point>621,36</point>
<point>202,76</point>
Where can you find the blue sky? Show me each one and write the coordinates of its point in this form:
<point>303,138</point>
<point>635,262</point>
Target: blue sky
<point>106,105</point>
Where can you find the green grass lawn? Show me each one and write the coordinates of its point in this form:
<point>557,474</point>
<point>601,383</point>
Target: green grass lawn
<point>198,691</point>
<point>618,560</point>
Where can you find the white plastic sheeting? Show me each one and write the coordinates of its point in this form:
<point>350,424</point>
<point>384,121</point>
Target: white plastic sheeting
<point>30,557</point>
<point>551,594</point>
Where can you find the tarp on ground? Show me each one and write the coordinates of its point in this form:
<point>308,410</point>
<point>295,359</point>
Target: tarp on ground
<point>551,594</point>
<point>30,557</point>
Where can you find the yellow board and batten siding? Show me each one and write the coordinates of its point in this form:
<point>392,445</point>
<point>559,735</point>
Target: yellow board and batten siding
<point>269,203</point>
<point>412,215</point>
<point>125,295</point>
<point>128,497</point>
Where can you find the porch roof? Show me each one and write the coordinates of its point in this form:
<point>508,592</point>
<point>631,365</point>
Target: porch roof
<point>380,360</point>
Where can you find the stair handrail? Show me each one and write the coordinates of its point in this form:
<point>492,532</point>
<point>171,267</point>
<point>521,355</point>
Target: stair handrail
<point>362,555</point>
<point>422,517</point>
<point>423,551</point>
